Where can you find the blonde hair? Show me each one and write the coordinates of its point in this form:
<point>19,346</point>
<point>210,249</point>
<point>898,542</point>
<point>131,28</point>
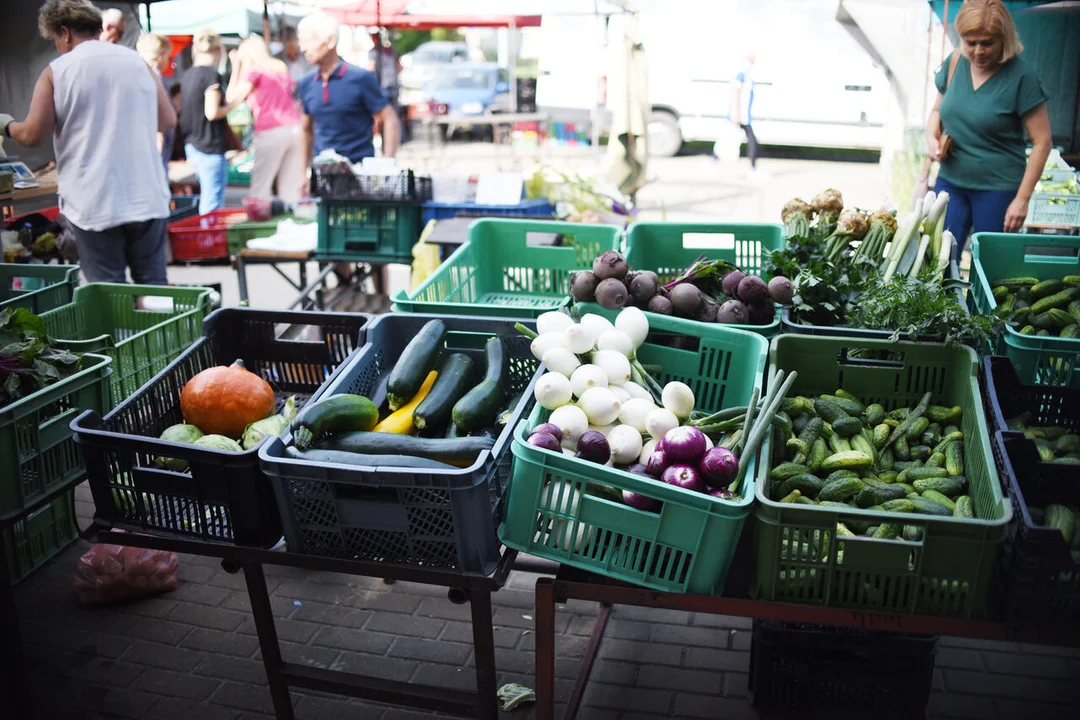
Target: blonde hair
<point>206,42</point>
<point>80,17</point>
<point>254,50</point>
<point>990,17</point>
<point>151,46</point>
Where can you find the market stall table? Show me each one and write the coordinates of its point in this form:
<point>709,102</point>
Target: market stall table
<point>570,583</point>
<point>10,202</point>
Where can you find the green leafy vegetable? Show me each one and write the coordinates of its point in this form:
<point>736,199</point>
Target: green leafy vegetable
<point>28,362</point>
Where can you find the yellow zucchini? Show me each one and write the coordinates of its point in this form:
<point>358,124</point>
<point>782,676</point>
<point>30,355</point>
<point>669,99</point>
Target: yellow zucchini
<point>400,422</point>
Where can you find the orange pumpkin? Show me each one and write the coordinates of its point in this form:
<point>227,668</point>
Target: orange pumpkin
<point>224,400</point>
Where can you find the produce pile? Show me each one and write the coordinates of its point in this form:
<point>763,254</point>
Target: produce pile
<point>870,271</point>
<point>28,360</point>
<point>227,408</point>
<point>707,291</point>
<point>1040,307</point>
<point>843,454</point>
<point>1059,445</point>
<point>434,409</point>
<point>606,408</point>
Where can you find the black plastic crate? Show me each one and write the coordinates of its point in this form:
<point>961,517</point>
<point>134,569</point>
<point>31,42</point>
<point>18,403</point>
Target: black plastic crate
<point>338,182</point>
<point>432,518</point>
<point>816,671</point>
<point>1005,398</point>
<point>225,497</point>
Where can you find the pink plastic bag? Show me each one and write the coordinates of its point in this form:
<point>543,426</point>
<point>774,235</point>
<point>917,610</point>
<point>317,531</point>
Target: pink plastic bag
<point>114,573</point>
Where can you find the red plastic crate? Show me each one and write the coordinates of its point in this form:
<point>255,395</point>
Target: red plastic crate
<point>204,237</point>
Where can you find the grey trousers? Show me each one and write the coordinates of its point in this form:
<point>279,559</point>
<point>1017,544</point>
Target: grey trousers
<point>106,256</point>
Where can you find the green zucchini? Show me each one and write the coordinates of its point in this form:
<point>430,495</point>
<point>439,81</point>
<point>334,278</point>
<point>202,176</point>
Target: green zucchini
<point>415,362</point>
<point>480,405</point>
<point>452,383</point>
<point>342,457</point>
<point>448,450</point>
<point>334,414</point>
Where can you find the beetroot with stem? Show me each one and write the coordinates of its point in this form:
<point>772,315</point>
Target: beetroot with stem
<point>752,289</point>
<point>660,305</point>
<point>685,299</point>
<point>583,286</point>
<point>643,287</point>
<point>732,312</point>
<point>762,313</point>
<point>610,264</point>
<point>611,294</point>
<point>780,290</point>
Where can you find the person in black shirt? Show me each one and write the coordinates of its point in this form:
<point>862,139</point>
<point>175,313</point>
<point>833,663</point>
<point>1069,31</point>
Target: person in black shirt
<point>202,120</point>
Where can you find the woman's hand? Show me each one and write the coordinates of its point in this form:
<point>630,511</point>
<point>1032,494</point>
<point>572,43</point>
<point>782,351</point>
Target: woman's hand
<point>1016,214</point>
<point>933,144</point>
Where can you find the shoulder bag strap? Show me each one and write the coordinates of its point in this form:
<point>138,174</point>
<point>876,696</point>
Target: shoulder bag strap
<point>953,61</point>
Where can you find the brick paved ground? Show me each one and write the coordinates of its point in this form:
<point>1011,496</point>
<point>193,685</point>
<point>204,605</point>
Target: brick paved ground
<point>193,655</point>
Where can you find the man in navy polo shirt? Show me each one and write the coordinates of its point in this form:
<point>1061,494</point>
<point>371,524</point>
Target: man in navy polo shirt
<point>340,101</point>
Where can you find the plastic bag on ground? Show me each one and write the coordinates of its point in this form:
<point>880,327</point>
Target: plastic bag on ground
<point>114,573</point>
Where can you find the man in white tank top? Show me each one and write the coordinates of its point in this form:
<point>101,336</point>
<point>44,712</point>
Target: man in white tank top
<point>104,108</point>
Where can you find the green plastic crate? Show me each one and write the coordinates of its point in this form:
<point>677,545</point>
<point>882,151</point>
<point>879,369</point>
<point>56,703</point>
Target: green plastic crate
<point>950,571</point>
<point>371,232</point>
<point>498,274</point>
<point>103,318</point>
<point>1053,209</point>
<point>238,177</point>
<point>669,248</point>
<point>240,233</point>
<point>37,452</point>
<point>689,544</point>
<point>44,287</point>
<point>1038,360</point>
<point>40,536</point>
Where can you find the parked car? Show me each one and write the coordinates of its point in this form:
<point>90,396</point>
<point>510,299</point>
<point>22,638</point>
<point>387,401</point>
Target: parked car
<point>419,67</point>
<point>474,89</point>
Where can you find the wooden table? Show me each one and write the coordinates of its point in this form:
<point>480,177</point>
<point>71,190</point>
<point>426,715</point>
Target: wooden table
<point>9,201</point>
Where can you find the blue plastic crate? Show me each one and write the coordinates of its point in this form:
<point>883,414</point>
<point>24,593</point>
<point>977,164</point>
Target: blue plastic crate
<point>444,211</point>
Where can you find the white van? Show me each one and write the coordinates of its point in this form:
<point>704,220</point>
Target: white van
<point>815,85</point>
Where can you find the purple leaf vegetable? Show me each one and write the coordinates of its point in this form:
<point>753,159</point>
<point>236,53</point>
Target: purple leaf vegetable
<point>682,476</point>
<point>718,467</point>
<point>684,445</point>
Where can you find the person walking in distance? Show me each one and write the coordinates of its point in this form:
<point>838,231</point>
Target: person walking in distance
<point>742,105</point>
<point>154,50</point>
<point>202,120</point>
<point>113,25</point>
<point>109,176</point>
<point>294,60</point>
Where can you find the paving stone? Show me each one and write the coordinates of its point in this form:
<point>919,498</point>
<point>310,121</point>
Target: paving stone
<point>244,697</point>
<point>221,643</point>
<point>281,607</point>
<point>160,631</point>
<point>236,581</point>
<point>448,676</point>
<point>353,640</point>
<point>195,574</point>
<point>431,651</point>
<point>387,668</point>
<point>651,615</point>
<point>117,702</point>
<point>1050,650</point>
<point>155,607</point>
<point>641,652</point>
<point>163,656</point>
<point>690,635</point>
<point>173,709</point>
<point>617,697</point>
<point>181,685</point>
<point>320,592</point>
<point>955,705</point>
<point>937,680</point>
<point>331,615</point>
<point>214,618</point>
<point>724,621</point>
<point>1008,686</point>
<point>330,708</point>
<point>515,661</point>
<point>462,632</point>
<point>740,640</point>
<point>436,608</point>
<point>1032,708</point>
<point>974,644</point>
<point>296,631</point>
<point>736,684</point>
<point>670,678</point>
<point>1041,666</point>
<point>616,629</point>
<point>105,671</point>
<point>231,668</point>
<point>304,654</point>
<point>409,625</point>
<point>394,601</point>
<point>959,658</point>
<point>706,706</point>
<point>201,594</point>
<point>709,658</point>
<point>83,641</point>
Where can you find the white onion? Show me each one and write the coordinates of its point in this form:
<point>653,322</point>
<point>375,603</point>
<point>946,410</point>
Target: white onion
<point>600,405</point>
<point>562,361</point>
<point>660,421</point>
<point>542,343</point>
<point>615,364</point>
<point>597,324</point>
<point>553,322</point>
<point>604,429</point>
<point>635,412</point>
<point>619,393</point>
<point>647,450</point>
<point>625,444</point>
<point>585,377</point>
<point>678,398</point>
<point>636,391</point>
<point>578,339</point>
<point>552,391</point>
<point>634,323</point>
<point>571,420</point>
<point>615,340</point>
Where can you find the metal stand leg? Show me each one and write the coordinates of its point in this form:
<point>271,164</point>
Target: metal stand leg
<point>487,703</point>
<point>268,640</point>
<point>582,679</point>
<point>16,696</point>
<point>545,649</point>
<point>241,277</point>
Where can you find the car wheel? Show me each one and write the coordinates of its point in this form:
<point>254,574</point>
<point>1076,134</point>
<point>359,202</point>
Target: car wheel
<point>665,138</point>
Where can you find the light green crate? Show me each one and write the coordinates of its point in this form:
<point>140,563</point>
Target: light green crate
<point>497,273</point>
<point>39,537</point>
<point>669,248</point>
<point>240,233</point>
<point>44,287</point>
<point>689,544</point>
<point>950,571</point>
<point>103,317</point>
<point>1038,360</point>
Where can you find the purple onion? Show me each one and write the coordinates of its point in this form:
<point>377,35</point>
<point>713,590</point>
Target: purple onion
<point>718,467</point>
<point>641,502</point>
<point>682,476</point>
<point>637,469</point>
<point>722,493</point>
<point>657,463</point>
<point>593,446</point>
<point>545,441</point>
<point>548,428</point>
<point>659,445</point>
<point>684,444</point>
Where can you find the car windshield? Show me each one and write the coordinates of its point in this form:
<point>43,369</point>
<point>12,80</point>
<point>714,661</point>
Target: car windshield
<point>464,80</point>
<point>433,55</point>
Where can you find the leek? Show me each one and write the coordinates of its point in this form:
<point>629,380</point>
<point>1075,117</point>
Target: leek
<point>920,256</point>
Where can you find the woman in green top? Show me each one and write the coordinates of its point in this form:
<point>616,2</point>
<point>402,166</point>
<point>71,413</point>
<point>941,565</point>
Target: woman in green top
<point>991,99</point>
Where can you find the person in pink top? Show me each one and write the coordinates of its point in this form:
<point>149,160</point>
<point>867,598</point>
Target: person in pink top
<point>264,83</point>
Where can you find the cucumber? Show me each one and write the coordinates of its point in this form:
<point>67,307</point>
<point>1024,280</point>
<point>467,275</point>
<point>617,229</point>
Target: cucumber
<point>787,470</point>
<point>838,444</point>
<point>818,452</point>
<point>850,460</point>
<point>841,489</point>
<point>1062,519</point>
<point>920,452</point>
<point>900,448</point>
<point>887,531</point>
<point>415,362</point>
<point>928,507</point>
<point>334,414</point>
<point>860,443</point>
<point>925,473</point>
<point>809,485</point>
<point>342,457</point>
<point>881,434</point>
<point>948,486</point>
<point>851,407</point>
<point>944,415</point>
<point>898,505</point>
<point>963,507</point>
<point>878,494</point>
<point>446,450</point>
<point>455,372</point>
<point>828,410</point>
<point>481,405</point>
<point>875,415</point>
<point>954,458</point>
<point>914,433</point>
<point>885,459</point>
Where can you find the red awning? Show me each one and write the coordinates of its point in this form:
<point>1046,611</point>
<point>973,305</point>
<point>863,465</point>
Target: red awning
<point>393,14</point>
